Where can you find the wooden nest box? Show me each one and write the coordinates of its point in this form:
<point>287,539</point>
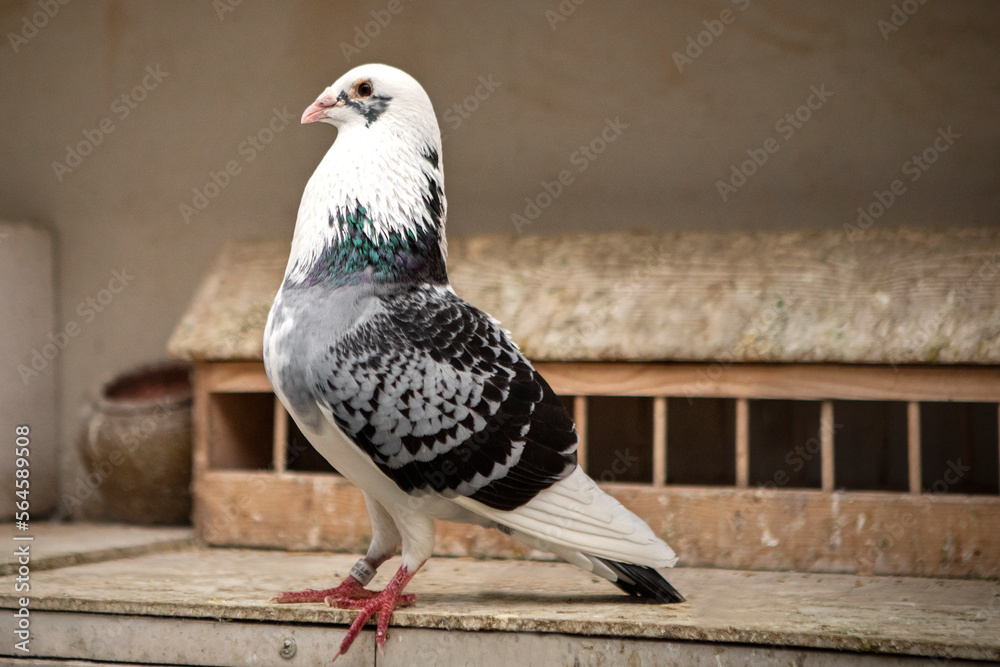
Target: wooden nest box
<point>802,400</point>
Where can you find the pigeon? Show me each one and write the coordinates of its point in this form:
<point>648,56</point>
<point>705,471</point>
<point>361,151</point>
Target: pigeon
<point>414,395</point>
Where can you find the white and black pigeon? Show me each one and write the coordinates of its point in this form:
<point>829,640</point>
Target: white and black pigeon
<point>411,393</point>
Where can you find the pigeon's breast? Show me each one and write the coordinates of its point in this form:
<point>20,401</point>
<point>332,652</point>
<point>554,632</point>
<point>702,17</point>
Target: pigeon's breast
<point>304,323</point>
<point>283,359</point>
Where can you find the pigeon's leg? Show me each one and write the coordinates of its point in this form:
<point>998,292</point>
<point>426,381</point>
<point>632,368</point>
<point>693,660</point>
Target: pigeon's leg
<point>385,541</point>
<point>417,532</point>
<point>383,603</point>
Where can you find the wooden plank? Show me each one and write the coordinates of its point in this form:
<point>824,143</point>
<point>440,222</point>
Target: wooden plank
<point>199,420</point>
<point>659,441</point>
<point>796,381</point>
<point>809,530</point>
<point>788,381</point>
<point>312,511</point>
<point>259,509</point>
<point>234,376</point>
<point>580,417</point>
<point>913,445</point>
<point>742,443</point>
<point>826,445</point>
<point>280,436</point>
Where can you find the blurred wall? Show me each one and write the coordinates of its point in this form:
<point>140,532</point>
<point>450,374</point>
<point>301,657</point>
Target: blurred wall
<point>116,113</point>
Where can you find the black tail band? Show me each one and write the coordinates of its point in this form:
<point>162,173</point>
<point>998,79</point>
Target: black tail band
<point>644,582</point>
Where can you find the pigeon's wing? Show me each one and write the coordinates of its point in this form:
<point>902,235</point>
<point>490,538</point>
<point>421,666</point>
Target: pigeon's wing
<point>575,517</point>
<point>435,392</point>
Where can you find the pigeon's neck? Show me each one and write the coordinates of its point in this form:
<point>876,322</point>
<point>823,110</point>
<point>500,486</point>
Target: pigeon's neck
<point>373,212</point>
<point>362,254</point>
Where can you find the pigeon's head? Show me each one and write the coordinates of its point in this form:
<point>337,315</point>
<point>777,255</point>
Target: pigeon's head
<point>374,96</point>
<point>376,200</point>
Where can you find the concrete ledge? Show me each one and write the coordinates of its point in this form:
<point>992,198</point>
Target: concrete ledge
<point>531,608</point>
<point>60,545</point>
<point>182,641</point>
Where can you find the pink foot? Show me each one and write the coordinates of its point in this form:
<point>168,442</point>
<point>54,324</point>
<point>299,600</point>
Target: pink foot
<point>382,604</point>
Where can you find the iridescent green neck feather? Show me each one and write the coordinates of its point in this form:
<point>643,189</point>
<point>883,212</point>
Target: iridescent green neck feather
<point>360,254</point>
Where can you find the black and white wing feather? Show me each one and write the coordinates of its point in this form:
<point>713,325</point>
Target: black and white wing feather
<point>435,392</point>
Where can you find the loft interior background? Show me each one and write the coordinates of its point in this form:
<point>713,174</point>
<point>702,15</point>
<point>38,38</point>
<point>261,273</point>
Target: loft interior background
<point>171,95</point>
<point>871,452</point>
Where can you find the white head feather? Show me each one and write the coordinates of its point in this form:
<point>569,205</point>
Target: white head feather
<point>387,151</point>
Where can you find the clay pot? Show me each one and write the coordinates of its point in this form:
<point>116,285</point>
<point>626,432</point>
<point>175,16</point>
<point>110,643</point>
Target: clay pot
<point>136,444</point>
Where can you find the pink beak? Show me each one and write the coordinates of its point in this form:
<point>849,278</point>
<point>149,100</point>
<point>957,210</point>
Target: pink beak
<point>316,110</point>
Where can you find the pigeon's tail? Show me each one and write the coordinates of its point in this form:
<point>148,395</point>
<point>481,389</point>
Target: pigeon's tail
<point>580,523</point>
<point>642,581</point>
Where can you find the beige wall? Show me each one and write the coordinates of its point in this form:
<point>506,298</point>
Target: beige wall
<point>119,209</point>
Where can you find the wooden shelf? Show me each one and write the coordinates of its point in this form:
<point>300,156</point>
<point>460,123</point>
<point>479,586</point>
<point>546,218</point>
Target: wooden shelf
<point>246,495</point>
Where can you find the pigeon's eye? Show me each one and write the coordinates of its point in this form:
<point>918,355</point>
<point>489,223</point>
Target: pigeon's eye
<point>364,89</point>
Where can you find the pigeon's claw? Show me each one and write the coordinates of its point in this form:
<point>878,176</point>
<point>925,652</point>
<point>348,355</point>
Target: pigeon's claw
<point>350,589</point>
<point>382,604</point>
<point>403,600</point>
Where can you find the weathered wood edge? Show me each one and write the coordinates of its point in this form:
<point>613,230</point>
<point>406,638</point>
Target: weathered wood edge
<point>862,532</point>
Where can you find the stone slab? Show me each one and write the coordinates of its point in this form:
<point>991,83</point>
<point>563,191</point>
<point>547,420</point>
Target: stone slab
<point>58,662</point>
<point>941,618</point>
<point>56,545</point>
<point>210,643</point>
<point>185,641</point>
<point>413,646</point>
